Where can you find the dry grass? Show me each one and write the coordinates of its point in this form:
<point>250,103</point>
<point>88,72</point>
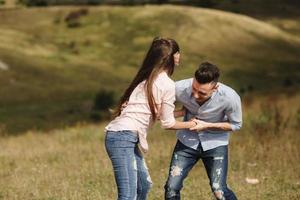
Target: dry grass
<point>289,24</point>
<point>72,163</point>
<point>48,77</point>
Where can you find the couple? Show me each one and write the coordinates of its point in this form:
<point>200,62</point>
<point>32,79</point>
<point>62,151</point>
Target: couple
<point>210,109</point>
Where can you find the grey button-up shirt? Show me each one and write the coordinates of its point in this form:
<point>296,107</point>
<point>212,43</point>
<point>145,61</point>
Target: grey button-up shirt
<point>223,106</point>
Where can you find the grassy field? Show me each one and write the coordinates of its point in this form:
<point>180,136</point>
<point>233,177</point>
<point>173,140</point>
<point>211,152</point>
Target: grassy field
<point>51,69</point>
<point>54,68</point>
<point>71,163</point>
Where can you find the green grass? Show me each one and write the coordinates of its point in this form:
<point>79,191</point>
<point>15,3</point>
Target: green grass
<point>71,163</point>
<point>52,66</point>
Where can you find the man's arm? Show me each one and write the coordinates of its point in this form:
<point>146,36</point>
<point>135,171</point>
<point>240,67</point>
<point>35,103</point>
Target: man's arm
<point>220,126</point>
<point>234,115</point>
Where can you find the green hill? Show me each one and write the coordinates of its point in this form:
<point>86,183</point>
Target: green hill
<point>54,67</point>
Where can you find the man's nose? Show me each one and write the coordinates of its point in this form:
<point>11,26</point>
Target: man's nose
<point>195,95</point>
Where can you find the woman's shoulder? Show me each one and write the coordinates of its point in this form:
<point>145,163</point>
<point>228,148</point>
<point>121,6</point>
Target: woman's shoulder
<point>164,82</point>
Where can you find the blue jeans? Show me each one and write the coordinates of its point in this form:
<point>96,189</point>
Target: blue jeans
<point>131,173</point>
<point>215,162</point>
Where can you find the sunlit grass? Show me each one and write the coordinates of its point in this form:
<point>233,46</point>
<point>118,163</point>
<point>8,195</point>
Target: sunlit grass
<point>72,163</point>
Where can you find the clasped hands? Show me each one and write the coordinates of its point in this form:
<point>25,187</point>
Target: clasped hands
<point>200,125</point>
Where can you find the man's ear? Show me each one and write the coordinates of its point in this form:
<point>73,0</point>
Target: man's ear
<point>216,86</point>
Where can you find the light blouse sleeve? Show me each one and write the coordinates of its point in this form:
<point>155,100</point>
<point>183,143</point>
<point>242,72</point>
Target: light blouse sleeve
<point>167,118</point>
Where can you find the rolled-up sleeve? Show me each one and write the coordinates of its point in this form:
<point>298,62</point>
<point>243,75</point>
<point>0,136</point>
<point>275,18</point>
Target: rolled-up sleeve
<point>167,118</point>
<point>234,113</point>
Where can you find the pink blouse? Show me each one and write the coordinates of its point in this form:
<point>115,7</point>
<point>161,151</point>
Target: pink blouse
<point>136,116</point>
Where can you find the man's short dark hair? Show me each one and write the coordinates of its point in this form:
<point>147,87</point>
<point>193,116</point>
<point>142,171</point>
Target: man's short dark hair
<point>207,73</point>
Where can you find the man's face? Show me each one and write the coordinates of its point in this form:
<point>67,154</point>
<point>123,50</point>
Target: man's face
<point>176,58</point>
<point>202,92</point>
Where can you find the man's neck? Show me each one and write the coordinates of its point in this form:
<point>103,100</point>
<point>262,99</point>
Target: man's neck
<point>200,103</point>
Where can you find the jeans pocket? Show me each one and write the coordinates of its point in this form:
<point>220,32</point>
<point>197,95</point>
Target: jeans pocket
<point>121,139</point>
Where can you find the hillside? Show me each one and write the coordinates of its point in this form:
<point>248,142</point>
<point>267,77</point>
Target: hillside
<point>54,68</point>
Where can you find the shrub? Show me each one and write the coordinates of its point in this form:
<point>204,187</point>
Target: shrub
<point>72,19</point>
<point>35,2</point>
<point>205,3</point>
<point>288,82</point>
<point>104,100</point>
<point>60,2</point>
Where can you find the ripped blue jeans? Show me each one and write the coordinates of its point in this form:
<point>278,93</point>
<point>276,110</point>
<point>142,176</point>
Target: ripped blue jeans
<point>130,170</point>
<point>215,162</point>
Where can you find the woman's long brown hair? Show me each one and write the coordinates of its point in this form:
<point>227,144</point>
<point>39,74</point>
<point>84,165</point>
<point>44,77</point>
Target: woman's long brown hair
<point>158,58</point>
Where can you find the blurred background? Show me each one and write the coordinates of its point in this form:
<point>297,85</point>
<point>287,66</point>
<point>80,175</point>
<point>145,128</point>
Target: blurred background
<point>64,63</point>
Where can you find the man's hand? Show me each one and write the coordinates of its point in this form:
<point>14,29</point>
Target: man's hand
<point>200,125</point>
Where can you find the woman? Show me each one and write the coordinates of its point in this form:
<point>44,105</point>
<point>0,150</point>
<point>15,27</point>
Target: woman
<point>150,96</point>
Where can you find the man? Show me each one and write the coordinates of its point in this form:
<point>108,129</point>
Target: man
<point>217,109</point>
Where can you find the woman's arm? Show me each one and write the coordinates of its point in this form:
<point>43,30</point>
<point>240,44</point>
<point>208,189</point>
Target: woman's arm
<point>168,121</point>
<point>167,114</point>
<point>183,125</point>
